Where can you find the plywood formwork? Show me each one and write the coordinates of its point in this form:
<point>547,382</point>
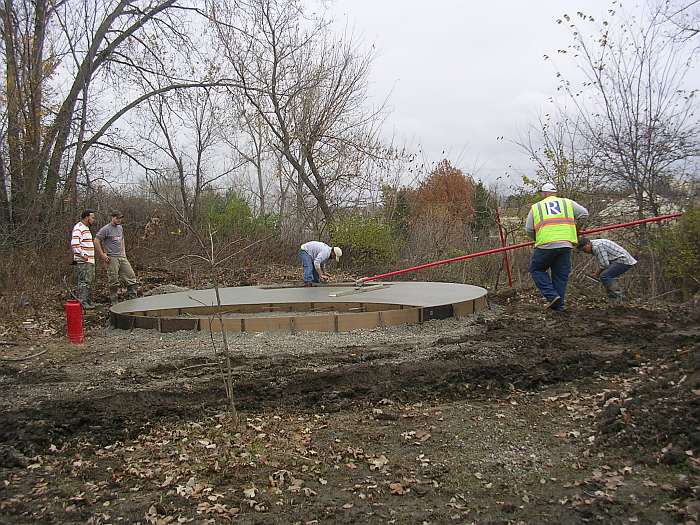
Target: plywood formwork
<point>330,308</point>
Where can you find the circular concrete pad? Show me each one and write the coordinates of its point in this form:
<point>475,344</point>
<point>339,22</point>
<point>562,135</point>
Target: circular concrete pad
<point>327,308</point>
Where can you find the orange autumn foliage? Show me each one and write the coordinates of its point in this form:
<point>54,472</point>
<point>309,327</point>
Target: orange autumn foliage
<point>447,192</point>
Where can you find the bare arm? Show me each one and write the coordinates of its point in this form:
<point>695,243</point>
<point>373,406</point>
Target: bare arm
<point>321,269</point>
<point>100,252</point>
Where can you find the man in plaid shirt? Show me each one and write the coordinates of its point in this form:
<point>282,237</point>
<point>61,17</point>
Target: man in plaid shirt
<point>613,260</point>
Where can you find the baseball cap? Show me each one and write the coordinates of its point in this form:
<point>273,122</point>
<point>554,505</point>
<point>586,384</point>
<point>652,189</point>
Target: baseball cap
<point>548,187</point>
<point>338,252</point>
<point>582,241</point>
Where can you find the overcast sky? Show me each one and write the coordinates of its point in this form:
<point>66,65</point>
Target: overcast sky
<point>462,73</point>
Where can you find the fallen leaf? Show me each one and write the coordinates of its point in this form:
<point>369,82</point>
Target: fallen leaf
<point>378,463</point>
<point>295,485</point>
<point>397,489</point>
<point>422,435</point>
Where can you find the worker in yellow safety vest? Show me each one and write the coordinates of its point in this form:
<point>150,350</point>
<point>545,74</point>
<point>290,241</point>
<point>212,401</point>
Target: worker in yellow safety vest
<point>552,224</point>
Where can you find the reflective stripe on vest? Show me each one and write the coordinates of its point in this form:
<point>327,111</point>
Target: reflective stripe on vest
<point>553,220</point>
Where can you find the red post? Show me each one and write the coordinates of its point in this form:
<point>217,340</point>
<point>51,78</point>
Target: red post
<point>74,322</point>
<point>503,244</point>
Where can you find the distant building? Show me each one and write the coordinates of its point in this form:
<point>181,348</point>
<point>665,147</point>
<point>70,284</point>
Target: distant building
<point>626,208</point>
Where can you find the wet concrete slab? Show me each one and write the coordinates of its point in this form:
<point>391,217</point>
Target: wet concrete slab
<point>409,294</point>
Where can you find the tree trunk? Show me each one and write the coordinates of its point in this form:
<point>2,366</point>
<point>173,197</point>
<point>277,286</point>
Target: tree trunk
<point>14,104</point>
<point>187,212</point>
<point>4,203</point>
<point>300,208</point>
<point>261,187</point>
<point>71,187</point>
<point>56,138</point>
<point>34,98</point>
<point>320,188</point>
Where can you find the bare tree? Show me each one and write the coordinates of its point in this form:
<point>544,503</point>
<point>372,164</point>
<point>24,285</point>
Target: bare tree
<point>186,140</point>
<point>36,148</point>
<point>558,147</point>
<point>308,88</point>
<point>255,149</point>
<point>4,197</point>
<point>214,253</point>
<point>684,16</point>
<point>68,80</point>
<point>633,107</point>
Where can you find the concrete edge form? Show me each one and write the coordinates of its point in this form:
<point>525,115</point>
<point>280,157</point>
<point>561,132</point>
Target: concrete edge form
<point>259,309</point>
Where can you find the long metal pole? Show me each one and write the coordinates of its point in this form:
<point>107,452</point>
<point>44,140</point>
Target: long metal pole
<point>513,247</point>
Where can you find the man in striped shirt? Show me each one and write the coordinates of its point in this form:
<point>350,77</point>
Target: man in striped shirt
<point>613,261</point>
<point>84,258</point>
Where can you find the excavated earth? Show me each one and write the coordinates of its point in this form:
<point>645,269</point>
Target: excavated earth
<point>515,415</point>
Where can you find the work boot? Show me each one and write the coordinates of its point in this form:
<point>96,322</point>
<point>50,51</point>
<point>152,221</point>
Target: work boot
<point>554,304</point>
<point>85,299</point>
<point>619,299</point>
<point>114,296</point>
<point>615,294</point>
<point>131,292</point>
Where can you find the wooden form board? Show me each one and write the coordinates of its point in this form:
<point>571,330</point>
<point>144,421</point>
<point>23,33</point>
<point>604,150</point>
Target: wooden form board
<point>463,309</point>
<point>272,307</point>
<point>332,322</point>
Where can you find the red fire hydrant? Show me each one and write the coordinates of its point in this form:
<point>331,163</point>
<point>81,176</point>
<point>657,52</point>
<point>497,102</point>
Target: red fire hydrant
<point>74,322</point>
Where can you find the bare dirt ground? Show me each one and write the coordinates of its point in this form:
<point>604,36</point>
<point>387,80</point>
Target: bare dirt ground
<point>513,416</point>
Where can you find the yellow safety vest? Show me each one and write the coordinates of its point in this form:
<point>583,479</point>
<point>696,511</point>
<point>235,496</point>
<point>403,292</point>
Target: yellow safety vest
<point>553,220</point>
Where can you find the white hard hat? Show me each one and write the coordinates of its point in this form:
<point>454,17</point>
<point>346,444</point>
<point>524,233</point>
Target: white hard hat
<point>338,252</point>
<point>548,187</point>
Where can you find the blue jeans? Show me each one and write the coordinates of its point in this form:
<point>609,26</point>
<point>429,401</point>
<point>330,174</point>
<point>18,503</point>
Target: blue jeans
<point>558,262</point>
<point>611,272</point>
<point>310,273</point>
<point>609,277</point>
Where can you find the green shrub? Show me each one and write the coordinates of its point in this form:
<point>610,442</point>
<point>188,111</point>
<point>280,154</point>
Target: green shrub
<point>228,212</point>
<point>232,213</point>
<point>680,246</point>
<point>365,240</point>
